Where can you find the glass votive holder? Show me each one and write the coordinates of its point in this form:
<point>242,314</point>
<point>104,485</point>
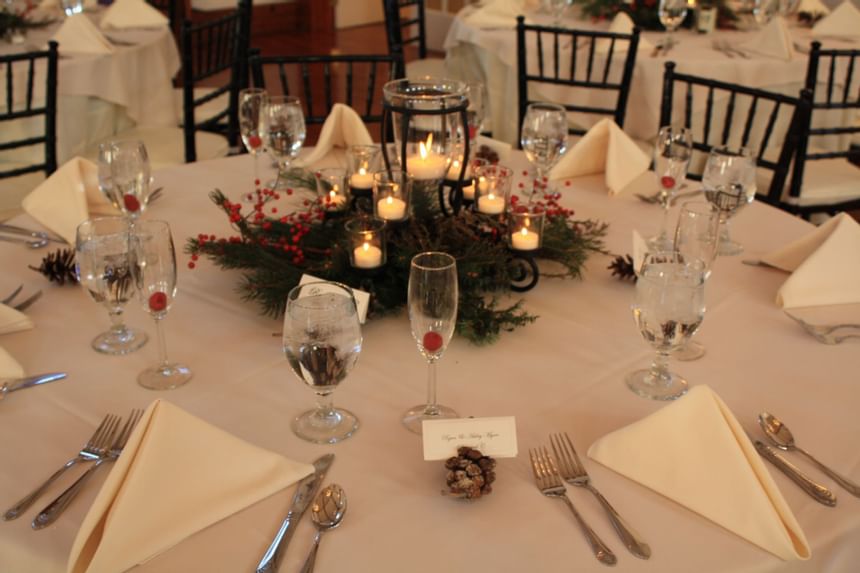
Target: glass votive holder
<point>493,189</point>
<point>471,178</point>
<point>525,226</point>
<point>392,193</point>
<point>362,162</point>
<point>366,242</point>
<point>332,190</point>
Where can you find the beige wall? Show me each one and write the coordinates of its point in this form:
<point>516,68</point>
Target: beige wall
<point>349,13</point>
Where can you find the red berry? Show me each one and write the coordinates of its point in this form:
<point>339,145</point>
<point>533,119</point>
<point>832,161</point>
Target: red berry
<point>191,264</point>
<point>131,203</point>
<point>667,181</point>
<point>432,341</point>
<point>157,301</point>
<point>254,141</point>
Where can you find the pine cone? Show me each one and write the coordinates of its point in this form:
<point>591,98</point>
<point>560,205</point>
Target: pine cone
<point>59,267</point>
<point>470,474</point>
<point>622,268</point>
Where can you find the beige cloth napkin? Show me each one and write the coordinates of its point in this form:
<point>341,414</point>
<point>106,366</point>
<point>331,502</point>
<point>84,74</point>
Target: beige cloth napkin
<point>825,265</point>
<point>493,13</point>
<point>78,35</point>
<point>176,476</point>
<point>67,198</point>
<point>343,127</point>
<point>695,452</point>
<point>621,24</point>
<point>12,320</point>
<point>132,14</point>
<point>9,367</point>
<point>605,148</point>
<point>774,40</point>
<point>843,22</point>
<point>814,7</point>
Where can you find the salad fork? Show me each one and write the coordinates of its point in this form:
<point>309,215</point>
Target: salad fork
<point>95,447</point>
<point>826,333</point>
<point>574,473</point>
<point>53,510</point>
<point>549,483</point>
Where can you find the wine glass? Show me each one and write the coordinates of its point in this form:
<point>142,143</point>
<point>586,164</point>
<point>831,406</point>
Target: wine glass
<point>153,266</point>
<point>557,8</point>
<point>251,103</point>
<point>671,14</point>
<point>672,154</point>
<point>765,10</point>
<point>729,183</point>
<point>432,302</point>
<point>696,239</point>
<point>543,138</point>
<point>129,177</point>
<point>476,112</point>
<point>322,341</point>
<point>102,267</point>
<point>284,131</point>
<point>669,306</point>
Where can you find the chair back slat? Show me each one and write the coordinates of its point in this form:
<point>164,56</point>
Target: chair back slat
<point>768,131</point>
<point>849,77</point>
<point>688,110</point>
<point>748,125</point>
<point>709,112</point>
<point>591,51</point>
<point>306,86</point>
<point>405,24</point>
<point>540,53</point>
<point>10,87</point>
<point>609,56</point>
<point>831,76</point>
<point>371,92</point>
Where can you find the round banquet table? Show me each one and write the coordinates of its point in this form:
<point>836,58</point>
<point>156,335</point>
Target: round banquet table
<point>563,373</point>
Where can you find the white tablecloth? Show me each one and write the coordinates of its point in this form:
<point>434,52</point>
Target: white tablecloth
<point>563,373</point>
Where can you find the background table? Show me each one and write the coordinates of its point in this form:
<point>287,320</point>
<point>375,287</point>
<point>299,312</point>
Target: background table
<point>563,373</point>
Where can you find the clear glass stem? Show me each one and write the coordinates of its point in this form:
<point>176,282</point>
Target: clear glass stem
<point>663,235</point>
<point>430,408</point>
<point>660,375</point>
<point>538,182</point>
<point>116,321</point>
<point>256,167</point>
<point>725,228</point>
<point>162,344</point>
<point>325,406</point>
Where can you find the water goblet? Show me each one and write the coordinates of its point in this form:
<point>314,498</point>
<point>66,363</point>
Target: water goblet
<point>251,103</point>
<point>672,153</point>
<point>669,306</point>
<point>544,138</point>
<point>283,132</point>
<point>129,177</point>
<point>102,267</point>
<point>671,14</point>
<point>153,266</point>
<point>322,341</point>
<point>729,183</point>
<point>432,301</point>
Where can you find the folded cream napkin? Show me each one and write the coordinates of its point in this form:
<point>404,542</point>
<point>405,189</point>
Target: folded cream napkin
<point>695,452</point>
<point>67,198</point>
<point>494,13</point>
<point>343,127</point>
<point>774,40</point>
<point>621,24</point>
<point>132,14</point>
<point>9,367</point>
<point>12,320</point>
<point>604,149</point>
<point>814,7</point>
<point>843,22</point>
<point>176,476</point>
<point>640,249</point>
<point>78,35</point>
<point>824,265</point>
<point>502,148</point>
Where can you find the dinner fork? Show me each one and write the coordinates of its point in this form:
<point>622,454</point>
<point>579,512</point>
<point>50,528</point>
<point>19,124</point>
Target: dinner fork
<point>825,332</point>
<point>12,296</point>
<point>53,510</point>
<point>655,198</point>
<point>574,473</point>
<point>549,483</point>
<point>95,446</point>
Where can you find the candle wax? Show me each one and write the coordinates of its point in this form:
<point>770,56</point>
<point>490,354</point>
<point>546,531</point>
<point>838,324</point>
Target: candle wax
<point>491,205</point>
<point>525,240</point>
<point>422,168</point>
<point>469,192</point>
<point>361,180</point>
<point>367,256</point>
<point>334,201</point>
<point>391,208</point>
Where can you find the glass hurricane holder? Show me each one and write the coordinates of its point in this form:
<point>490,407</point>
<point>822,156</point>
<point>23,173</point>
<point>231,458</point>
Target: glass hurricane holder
<point>471,181</point>
<point>366,242</point>
<point>671,14</point>
<point>672,153</point>
<point>392,195</point>
<point>432,302</point>
<point>322,341</point>
<point>284,133</point>
<point>153,266</point>
<point>428,119</point>
<point>669,306</point>
<point>730,185</point>
<point>102,268</point>
<point>493,190</point>
<point>362,161</point>
<point>543,137</point>
<point>130,177</point>
<point>252,101</point>
<point>333,191</point>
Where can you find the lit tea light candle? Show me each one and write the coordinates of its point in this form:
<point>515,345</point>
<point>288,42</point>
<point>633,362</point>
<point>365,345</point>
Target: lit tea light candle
<point>367,256</point>
<point>391,208</point>
<point>490,204</point>
<point>334,201</point>
<point>361,180</point>
<point>426,164</point>
<point>454,170</point>
<point>483,185</point>
<point>469,191</point>
<point>525,240</point>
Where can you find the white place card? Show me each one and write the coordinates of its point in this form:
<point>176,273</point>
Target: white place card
<point>362,298</point>
<point>495,437</point>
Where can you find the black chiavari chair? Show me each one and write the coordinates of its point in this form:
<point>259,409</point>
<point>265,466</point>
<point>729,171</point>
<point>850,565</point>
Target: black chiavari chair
<point>406,33</point>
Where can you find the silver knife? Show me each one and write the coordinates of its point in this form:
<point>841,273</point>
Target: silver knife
<point>11,384</point>
<point>817,491</point>
<point>305,493</point>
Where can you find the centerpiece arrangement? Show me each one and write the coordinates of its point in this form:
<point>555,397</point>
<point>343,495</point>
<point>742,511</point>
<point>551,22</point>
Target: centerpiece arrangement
<point>419,202</point>
<point>645,13</point>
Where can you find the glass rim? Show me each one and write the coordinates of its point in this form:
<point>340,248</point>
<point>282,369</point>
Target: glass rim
<point>417,88</point>
<point>732,151</point>
<point>451,261</point>
<point>347,292</point>
<point>255,90</point>
<point>281,99</point>
<point>546,105</point>
<point>701,206</point>
<point>375,225</point>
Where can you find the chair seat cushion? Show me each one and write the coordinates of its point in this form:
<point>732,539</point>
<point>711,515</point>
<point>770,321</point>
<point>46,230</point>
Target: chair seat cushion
<point>433,67</point>
<point>166,145</point>
<point>828,181</point>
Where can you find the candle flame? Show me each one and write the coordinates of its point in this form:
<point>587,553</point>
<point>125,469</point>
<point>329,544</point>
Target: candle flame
<point>524,232</point>
<point>366,246</point>
<point>389,200</point>
<point>490,196</point>
<point>332,195</point>
<point>424,149</point>
<point>362,171</point>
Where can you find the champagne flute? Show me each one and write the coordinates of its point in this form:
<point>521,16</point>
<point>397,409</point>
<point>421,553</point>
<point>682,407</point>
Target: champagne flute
<point>251,103</point>
<point>322,341</point>
<point>729,183</point>
<point>102,267</point>
<point>283,131</point>
<point>543,138</point>
<point>669,306</point>
<point>671,14</point>
<point>672,154</point>
<point>696,239</point>
<point>129,177</point>
<point>476,112</point>
<point>153,266</point>
<point>432,302</point>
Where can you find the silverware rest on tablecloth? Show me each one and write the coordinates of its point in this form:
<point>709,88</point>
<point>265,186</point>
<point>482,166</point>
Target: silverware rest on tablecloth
<point>327,512</point>
<point>13,384</point>
<point>818,492</point>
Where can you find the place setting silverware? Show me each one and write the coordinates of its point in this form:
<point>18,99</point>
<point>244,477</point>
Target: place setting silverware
<point>33,239</point>
<point>327,513</point>
<point>655,198</point>
<point>816,491</point>
<point>8,385</point>
<point>828,333</point>
<point>24,304</point>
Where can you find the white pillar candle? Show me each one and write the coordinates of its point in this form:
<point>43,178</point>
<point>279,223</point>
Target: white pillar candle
<point>483,185</point>
<point>425,164</point>
<point>334,201</point>
<point>491,205</point>
<point>525,240</point>
<point>469,192</point>
<point>454,170</point>
<point>391,208</point>
<point>367,256</point>
<point>361,180</point>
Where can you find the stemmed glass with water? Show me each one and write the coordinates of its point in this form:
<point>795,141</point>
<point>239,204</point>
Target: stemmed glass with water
<point>322,341</point>
<point>543,138</point>
<point>251,104</point>
<point>672,153</point>
<point>432,301</point>
<point>284,132</point>
<point>671,14</point>
<point>729,183</point>
<point>124,176</point>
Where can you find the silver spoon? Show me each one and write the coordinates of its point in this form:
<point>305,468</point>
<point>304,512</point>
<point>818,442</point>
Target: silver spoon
<point>327,513</point>
<point>781,436</point>
<point>32,243</point>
